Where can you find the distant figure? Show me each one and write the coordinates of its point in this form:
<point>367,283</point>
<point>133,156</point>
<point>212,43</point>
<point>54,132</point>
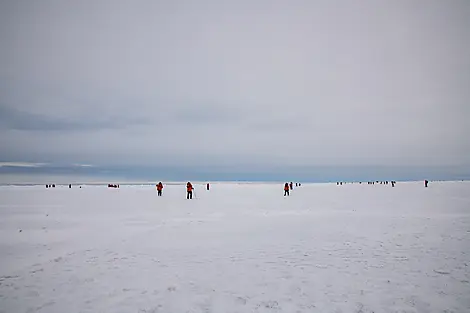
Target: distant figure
<point>53,185</point>
<point>207,186</point>
<point>296,184</point>
<point>393,183</point>
<point>47,186</point>
<point>337,183</point>
<point>341,183</point>
<point>70,186</point>
<point>291,185</point>
<point>286,189</point>
<point>159,189</point>
<point>189,189</point>
<point>426,183</point>
<point>300,184</point>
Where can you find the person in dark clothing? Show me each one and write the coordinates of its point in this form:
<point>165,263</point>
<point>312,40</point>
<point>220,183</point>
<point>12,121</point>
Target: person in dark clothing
<point>207,186</point>
<point>159,189</point>
<point>291,185</point>
<point>189,190</point>
<point>426,183</point>
<point>286,189</point>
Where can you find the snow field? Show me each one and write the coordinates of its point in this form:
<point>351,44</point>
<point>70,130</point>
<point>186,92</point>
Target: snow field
<point>236,248</point>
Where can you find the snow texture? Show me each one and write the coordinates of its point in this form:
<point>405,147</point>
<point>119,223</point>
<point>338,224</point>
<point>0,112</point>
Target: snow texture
<point>236,248</point>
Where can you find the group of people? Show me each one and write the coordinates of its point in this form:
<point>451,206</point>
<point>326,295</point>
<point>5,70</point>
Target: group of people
<point>287,187</point>
<point>290,186</point>
<point>393,183</point>
<point>372,183</point>
<point>189,189</point>
<point>53,186</point>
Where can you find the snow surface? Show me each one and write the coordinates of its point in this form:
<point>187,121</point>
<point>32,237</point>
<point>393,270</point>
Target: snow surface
<point>236,248</point>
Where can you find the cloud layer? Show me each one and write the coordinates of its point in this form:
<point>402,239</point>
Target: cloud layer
<point>238,83</point>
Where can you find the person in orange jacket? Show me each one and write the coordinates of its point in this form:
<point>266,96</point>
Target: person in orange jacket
<point>286,189</point>
<point>189,189</point>
<point>159,189</point>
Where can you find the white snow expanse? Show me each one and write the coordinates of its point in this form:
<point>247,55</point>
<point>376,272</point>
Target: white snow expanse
<point>236,248</point>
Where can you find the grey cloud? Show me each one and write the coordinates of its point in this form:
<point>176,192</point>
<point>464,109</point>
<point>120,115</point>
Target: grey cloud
<point>203,114</point>
<point>14,119</point>
<point>238,82</point>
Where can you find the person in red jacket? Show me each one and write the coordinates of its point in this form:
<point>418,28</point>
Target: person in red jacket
<point>286,189</point>
<point>189,190</point>
<point>159,189</point>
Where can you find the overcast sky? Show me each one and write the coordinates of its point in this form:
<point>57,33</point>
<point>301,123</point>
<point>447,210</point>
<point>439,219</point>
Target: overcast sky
<point>235,82</point>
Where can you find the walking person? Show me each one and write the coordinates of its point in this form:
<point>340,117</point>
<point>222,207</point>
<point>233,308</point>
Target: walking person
<point>159,189</point>
<point>426,183</point>
<point>286,189</point>
<point>189,190</point>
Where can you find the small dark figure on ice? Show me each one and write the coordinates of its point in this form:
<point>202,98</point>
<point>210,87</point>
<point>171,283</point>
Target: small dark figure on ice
<point>189,190</point>
<point>159,189</point>
<point>286,189</point>
<point>426,183</point>
<point>207,186</point>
